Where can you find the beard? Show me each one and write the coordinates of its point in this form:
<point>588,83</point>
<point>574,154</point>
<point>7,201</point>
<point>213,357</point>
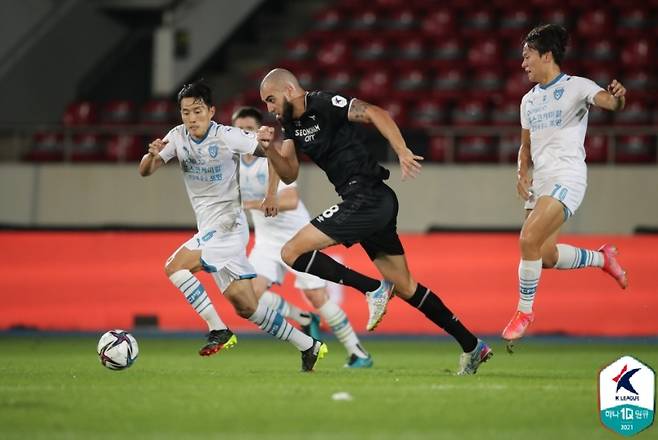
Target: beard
<point>286,115</point>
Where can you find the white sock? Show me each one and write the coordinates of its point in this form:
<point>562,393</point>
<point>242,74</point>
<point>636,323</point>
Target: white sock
<point>274,323</point>
<point>570,257</point>
<point>529,272</point>
<point>196,295</point>
<point>342,328</point>
<point>274,301</point>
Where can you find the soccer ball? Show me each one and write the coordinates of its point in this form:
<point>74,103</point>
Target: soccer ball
<point>117,349</point>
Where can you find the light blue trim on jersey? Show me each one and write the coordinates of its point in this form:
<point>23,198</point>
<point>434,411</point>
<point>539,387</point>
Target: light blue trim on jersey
<point>207,267</point>
<point>212,124</point>
<point>248,164</point>
<point>550,83</point>
<point>247,276</point>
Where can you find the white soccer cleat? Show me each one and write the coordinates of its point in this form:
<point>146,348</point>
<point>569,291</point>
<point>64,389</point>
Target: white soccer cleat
<point>377,302</point>
<point>469,362</point>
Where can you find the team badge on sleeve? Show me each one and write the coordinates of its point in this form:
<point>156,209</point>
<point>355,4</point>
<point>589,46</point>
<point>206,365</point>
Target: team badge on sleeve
<point>339,101</point>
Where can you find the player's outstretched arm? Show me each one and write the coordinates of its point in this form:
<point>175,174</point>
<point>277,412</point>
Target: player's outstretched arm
<point>152,160</point>
<point>270,204</point>
<point>524,164</point>
<point>614,99</point>
<point>284,161</point>
<point>361,111</point>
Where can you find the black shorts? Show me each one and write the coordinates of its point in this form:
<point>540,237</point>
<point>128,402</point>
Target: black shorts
<point>367,215</point>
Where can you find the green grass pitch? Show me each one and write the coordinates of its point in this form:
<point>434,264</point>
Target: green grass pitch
<point>54,387</point>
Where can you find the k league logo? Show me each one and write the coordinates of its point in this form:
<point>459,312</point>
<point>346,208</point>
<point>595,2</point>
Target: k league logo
<point>627,396</point>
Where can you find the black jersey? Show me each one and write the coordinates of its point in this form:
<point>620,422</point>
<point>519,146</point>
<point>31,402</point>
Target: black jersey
<point>324,133</point>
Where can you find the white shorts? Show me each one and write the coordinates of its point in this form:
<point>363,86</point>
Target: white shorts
<point>570,190</point>
<point>267,261</point>
<point>224,253</point>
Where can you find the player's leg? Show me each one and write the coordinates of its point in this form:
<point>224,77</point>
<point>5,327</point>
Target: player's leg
<point>543,222</point>
<point>180,268</point>
<point>241,295</point>
<point>395,268</point>
<point>302,253</point>
<point>270,269</point>
<point>315,291</point>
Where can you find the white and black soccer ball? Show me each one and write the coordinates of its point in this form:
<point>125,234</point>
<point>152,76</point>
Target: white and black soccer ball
<point>117,349</point>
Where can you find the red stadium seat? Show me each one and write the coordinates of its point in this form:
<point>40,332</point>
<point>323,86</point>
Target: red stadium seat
<point>484,53</point>
<point>517,85</point>
<point>334,53</point>
<point>470,111</point>
<point>636,112</point>
<point>446,53</point>
<point>299,49</point>
<point>397,108</point>
<point>447,83</point>
<point>409,50</point>
<point>598,116</point>
<point>478,23</point>
<point>508,147</point>
<point>80,113</point>
<point>637,53</point>
<point>159,111</point>
<point>476,149</point>
<point>439,23</point>
<point>124,148</point>
<point>308,78</point>
<point>411,83</point>
<point>595,23</point>
<point>375,84</point>
<point>506,112</point>
<point>47,146</point>
<point>118,112</point>
<point>390,4</point>
<point>633,21</point>
<point>371,52</point>
<point>600,52</point>
<point>639,80</point>
<point>486,81</point>
<point>341,79</point>
<point>556,14</point>
<point>329,20</point>
<point>402,20</point>
<point>515,23</point>
<point>438,149</point>
<point>596,148</point>
<point>427,112</point>
<point>87,147</point>
<point>635,149</point>
<point>363,23</point>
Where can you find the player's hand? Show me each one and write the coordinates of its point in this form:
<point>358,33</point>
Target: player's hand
<point>156,147</point>
<point>616,89</point>
<point>523,186</point>
<point>270,206</point>
<point>265,135</point>
<point>409,164</point>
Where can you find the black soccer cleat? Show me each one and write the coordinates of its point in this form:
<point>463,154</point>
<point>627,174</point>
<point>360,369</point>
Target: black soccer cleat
<point>218,340</point>
<point>311,356</point>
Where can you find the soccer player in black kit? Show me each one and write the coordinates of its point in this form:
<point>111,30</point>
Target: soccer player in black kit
<point>322,125</point>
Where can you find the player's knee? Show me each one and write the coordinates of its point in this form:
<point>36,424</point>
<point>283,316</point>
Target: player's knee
<point>171,268</point>
<point>529,241</point>
<point>317,297</point>
<point>549,258</point>
<point>245,310</point>
<point>405,287</point>
<point>289,253</point>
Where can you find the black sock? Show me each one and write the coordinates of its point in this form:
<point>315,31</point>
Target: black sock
<point>323,266</point>
<point>431,305</point>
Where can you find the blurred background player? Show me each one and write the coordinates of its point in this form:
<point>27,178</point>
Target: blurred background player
<point>554,122</point>
<point>272,234</point>
<point>322,125</point>
<point>207,153</point>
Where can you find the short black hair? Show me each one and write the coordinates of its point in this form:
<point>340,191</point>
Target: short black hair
<point>248,112</point>
<point>549,38</point>
<point>197,90</point>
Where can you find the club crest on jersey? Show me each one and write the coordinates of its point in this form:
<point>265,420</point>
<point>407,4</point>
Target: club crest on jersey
<point>339,101</point>
<point>557,93</point>
<point>213,150</point>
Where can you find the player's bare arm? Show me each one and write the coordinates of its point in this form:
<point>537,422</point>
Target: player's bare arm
<point>614,99</point>
<point>152,160</point>
<point>270,204</point>
<point>284,161</point>
<point>363,112</point>
<point>524,164</point>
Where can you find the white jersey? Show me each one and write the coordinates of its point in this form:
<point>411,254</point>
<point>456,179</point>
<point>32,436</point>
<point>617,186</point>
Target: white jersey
<point>271,230</point>
<point>211,171</point>
<point>556,115</point>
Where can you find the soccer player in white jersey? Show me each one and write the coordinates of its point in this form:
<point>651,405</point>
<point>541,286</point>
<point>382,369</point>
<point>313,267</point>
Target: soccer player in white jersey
<point>271,234</point>
<point>554,122</point>
<point>209,157</point>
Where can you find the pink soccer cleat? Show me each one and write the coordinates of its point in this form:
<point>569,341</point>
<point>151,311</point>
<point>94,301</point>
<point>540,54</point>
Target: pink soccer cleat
<point>518,325</point>
<point>611,266</point>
